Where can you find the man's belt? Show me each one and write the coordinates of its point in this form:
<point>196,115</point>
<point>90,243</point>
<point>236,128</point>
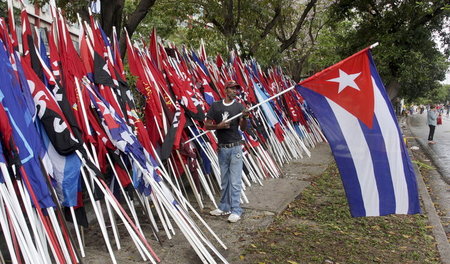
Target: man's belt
<point>230,145</point>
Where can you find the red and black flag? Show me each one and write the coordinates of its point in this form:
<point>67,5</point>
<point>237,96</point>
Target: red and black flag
<point>102,73</point>
<point>173,136</point>
<point>51,116</point>
<point>30,55</point>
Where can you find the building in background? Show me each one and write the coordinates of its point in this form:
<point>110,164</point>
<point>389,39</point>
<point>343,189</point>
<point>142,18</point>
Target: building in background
<point>40,19</point>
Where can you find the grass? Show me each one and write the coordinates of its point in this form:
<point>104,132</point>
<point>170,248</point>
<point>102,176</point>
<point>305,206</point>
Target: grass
<point>317,228</point>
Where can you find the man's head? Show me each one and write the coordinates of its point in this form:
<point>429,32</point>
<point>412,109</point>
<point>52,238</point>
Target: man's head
<point>232,84</point>
<point>232,88</point>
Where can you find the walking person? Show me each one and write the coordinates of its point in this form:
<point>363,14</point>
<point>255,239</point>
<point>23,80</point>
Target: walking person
<point>432,123</point>
<point>230,149</point>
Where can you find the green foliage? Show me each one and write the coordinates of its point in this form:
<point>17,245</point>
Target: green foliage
<point>3,9</point>
<point>438,95</point>
<point>326,51</point>
<point>407,56</point>
<point>71,8</point>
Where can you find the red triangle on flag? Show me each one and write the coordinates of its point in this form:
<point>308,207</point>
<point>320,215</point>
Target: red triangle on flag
<point>348,84</point>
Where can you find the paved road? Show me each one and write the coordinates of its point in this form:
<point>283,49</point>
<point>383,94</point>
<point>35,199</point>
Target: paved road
<point>439,153</point>
<point>441,150</point>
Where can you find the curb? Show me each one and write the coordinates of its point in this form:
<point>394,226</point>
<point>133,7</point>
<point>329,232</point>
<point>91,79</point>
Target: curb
<point>439,234</point>
<point>435,159</point>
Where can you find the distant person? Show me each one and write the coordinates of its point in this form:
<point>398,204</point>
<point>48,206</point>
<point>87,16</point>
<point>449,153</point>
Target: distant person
<point>432,123</point>
<point>448,109</point>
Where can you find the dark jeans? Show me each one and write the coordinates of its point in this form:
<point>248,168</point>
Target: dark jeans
<point>431,134</point>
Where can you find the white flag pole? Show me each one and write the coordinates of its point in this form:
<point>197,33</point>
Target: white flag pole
<point>251,108</point>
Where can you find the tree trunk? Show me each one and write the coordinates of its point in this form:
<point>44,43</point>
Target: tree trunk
<point>111,15</point>
<point>293,38</point>
<point>133,21</point>
<point>393,89</point>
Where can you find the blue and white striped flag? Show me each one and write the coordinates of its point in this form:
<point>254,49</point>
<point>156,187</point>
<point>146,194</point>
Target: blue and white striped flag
<point>355,113</point>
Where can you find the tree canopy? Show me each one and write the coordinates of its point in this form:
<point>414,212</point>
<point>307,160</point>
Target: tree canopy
<point>408,58</point>
<point>302,36</point>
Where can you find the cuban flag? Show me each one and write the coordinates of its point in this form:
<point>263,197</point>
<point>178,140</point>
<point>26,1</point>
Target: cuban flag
<point>354,111</point>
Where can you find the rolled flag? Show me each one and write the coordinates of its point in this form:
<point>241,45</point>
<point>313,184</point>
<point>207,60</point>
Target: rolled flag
<point>268,111</point>
<point>354,111</point>
<point>96,7</point>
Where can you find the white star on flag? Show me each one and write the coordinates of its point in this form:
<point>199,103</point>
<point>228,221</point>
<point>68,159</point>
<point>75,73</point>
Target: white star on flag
<point>345,80</point>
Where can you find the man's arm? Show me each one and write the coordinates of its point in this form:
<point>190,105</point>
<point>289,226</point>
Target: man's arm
<point>243,120</point>
<point>211,126</point>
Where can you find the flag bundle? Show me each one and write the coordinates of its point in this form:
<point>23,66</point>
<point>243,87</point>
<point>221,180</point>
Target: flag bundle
<point>184,85</point>
<point>71,133</point>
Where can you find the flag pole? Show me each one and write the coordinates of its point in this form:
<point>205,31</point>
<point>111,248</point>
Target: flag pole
<point>251,108</point>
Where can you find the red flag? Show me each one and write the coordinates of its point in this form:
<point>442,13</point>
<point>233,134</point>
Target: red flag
<point>12,26</point>
<point>5,129</point>
<point>154,50</point>
<point>30,56</point>
<point>219,61</point>
<point>86,52</point>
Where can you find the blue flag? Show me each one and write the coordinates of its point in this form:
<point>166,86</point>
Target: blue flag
<point>65,170</point>
<point>25,135</point>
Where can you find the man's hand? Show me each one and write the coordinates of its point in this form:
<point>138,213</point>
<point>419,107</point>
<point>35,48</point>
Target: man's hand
<point>223,125</point>
<point>245,113</point>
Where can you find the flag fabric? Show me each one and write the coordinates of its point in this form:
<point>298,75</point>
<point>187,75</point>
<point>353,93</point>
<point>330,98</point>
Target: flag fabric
<point>201,143</point>
<point>96,7</point>
<point>6,137</point>
<point>354,111</point>
<point>272,119</point>
<point>2,160</point>
<point>51,115</point>
<point>12,25</point>
<point>102,74</point>
<point>65,170</point>
<point>53,74</point>
<point>25,135</point>
<point>268,111</point>
<point>173,137</point>
<point>115,127</point>
<point>29,52</point>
